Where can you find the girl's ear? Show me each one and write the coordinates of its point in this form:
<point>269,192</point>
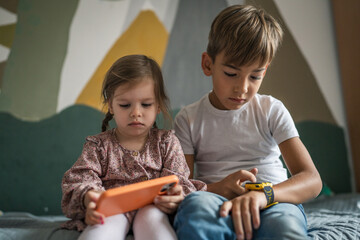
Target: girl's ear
<point>159,110</point>
<point>110,108</point>
<point>206,64</point>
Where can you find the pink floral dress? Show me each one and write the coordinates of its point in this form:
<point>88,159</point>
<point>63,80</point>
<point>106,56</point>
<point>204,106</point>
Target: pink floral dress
<point>105,164</point>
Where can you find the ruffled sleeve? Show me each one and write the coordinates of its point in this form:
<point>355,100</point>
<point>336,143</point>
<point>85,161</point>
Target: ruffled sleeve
<point>83,176</point>
<point>174,163</point>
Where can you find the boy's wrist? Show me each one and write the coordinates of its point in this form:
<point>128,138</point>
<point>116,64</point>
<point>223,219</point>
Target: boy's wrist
<point>221,189</point>
<point>262,196</point>
<point>211,187</point>
<point>216,188</point>
<point>266,188</point>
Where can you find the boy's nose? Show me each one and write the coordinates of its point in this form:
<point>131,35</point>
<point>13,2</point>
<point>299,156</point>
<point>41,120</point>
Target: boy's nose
<point>244,89</point>
<point>241,87</point>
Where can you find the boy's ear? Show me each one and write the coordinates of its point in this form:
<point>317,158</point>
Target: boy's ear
<point>266,68</point>
<point>206,64</point>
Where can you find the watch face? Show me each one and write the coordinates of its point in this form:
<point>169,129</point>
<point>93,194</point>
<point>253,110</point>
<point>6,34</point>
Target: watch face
<point>257,185</point>
<point>267,184</point>
<point>254,186</point>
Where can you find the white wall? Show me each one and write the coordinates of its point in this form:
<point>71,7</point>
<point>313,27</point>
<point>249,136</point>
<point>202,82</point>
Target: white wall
<point>311,24</point>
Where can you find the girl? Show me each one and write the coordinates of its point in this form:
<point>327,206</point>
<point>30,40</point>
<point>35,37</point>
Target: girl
<point>136,150</point>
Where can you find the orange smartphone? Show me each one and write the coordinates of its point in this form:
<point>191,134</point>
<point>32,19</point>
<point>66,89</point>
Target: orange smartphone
<point>130,197</point>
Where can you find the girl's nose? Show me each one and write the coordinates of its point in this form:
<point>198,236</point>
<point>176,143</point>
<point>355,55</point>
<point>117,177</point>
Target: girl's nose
<point>135,112</point>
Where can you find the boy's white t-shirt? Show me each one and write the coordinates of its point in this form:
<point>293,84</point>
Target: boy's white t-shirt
<point>225,141</point>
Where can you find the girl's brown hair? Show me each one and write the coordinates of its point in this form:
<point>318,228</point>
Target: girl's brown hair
<point>132,69</point>
<point>245,34</point>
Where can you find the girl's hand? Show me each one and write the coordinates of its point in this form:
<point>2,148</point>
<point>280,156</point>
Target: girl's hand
<point>245,211</point>
<point>169,203</point>
<point>231,186</point>
<point>92,217</point>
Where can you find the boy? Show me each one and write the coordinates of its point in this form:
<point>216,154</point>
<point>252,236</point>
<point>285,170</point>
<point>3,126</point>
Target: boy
<point>234,134</point>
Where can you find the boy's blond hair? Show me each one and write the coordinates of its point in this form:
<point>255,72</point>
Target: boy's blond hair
<point>245,34</point>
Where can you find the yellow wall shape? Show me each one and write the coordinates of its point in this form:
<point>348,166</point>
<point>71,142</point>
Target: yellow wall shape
<point>146,35</point>
<point>7,33</point>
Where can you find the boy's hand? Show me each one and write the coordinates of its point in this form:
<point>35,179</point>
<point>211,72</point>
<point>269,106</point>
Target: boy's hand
<point>231,186</point>
<point>245,211</point>
<point>169,203</point>
<point>92,217</point>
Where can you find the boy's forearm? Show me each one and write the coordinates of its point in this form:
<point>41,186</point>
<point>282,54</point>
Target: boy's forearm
<point>217,188</point>
<point>212,187</point>
<point>299,188</point>
<point>305,182</point>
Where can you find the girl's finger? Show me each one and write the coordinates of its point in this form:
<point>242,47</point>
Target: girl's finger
<point>96,220</point>
<point>163,209</point>
<point>177,190</point>
<point>167,209</point>
<point>94,196</point>
<point>93,216</point>
<point>91,205</point>
<point>169,205</point>
<point>99,217</point>
<point>89,220</point>
<point>168,199</point>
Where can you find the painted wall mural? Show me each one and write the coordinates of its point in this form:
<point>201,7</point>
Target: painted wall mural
<point>8,19</point>
<point>54,55</point>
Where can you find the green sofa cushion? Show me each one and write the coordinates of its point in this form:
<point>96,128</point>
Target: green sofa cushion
<point>35,155</point>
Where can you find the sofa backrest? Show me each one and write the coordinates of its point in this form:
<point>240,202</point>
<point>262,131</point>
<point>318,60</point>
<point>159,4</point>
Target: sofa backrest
<point>35,155</point>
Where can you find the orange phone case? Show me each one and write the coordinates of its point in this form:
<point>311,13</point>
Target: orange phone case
<point>130,197</point>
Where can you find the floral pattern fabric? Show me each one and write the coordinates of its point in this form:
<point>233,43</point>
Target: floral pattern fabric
<point>105,164</point>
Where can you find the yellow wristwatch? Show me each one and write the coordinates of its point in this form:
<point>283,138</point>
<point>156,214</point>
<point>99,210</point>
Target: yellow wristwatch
<point>266,187</point>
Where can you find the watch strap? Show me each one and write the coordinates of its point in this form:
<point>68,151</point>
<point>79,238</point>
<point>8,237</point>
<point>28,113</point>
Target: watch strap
<point>269,194</point>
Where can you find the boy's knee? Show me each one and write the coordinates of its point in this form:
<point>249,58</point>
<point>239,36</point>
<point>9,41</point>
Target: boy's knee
<point>202,200</point>
<point>284,224</point>
<point>198,218</point>
<point>201,205</point>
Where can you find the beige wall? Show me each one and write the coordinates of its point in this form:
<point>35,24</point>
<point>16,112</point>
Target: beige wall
<point>347,23</point>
